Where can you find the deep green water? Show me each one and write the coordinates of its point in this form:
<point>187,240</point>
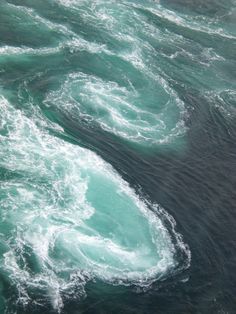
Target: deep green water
<point>117,156</point>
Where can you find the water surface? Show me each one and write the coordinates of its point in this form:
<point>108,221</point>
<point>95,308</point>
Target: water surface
<point>117,165</point>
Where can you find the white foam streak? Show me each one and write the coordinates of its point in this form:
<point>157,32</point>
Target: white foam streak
<point>72,41</point>
<point>8,50</point>
<point>195,24</point>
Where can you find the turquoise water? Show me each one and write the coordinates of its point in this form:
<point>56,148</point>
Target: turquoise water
<point>99,102</point>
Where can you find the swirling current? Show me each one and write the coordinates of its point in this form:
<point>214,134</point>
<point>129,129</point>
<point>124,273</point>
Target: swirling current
<point>117,156</point>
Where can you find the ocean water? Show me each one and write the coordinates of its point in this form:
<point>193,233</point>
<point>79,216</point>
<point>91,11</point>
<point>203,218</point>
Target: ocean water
<point>117,156</point>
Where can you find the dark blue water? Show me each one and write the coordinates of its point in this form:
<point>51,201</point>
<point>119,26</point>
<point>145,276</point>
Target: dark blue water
<point>118,156</point>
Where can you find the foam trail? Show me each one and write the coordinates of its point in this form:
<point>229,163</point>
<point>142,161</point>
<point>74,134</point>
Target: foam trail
<point>71,217</point>
<point>8,50</point>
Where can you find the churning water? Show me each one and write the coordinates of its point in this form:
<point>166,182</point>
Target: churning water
<point>117,156</point>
